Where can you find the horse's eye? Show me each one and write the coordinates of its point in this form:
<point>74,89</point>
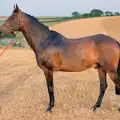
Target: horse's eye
<point>14,17</point>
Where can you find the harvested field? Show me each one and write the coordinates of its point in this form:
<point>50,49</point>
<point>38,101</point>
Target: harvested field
<point>23,90</point>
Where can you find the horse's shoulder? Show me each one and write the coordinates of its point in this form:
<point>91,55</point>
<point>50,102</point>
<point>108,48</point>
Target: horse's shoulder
<point>56,37</point>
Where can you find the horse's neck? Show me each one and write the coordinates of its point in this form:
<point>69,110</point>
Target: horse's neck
<point>35,35</point>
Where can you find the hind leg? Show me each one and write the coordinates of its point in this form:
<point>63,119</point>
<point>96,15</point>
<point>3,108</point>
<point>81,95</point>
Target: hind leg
<point>103,86</point>
<point>115,78</point>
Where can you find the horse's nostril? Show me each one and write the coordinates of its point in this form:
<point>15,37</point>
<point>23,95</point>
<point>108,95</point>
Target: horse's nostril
<point>1,32</point>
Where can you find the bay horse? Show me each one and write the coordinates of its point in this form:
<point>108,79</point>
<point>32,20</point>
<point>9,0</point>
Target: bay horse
<point>55,52</point>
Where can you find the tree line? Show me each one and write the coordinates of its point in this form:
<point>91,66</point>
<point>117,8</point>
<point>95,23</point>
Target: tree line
<point>94,13</point>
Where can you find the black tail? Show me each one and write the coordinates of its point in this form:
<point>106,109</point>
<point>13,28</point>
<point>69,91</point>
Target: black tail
<point>117,87</point>
<point>118,69</point>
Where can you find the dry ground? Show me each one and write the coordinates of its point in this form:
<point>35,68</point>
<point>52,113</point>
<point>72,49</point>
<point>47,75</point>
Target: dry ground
<point>23,91</point>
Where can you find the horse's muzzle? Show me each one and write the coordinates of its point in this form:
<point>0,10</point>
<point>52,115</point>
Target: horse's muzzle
<point>4,31</point>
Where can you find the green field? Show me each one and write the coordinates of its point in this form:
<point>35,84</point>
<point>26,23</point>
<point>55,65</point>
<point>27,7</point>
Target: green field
<point>1,22</point>
<point>46,20</point>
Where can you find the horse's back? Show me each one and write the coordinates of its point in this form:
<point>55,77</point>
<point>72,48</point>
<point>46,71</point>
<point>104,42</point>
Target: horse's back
<point>88,51</point>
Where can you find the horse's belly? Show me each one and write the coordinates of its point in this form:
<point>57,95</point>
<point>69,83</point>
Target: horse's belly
<point>76,65</point>
<point>71,60</point>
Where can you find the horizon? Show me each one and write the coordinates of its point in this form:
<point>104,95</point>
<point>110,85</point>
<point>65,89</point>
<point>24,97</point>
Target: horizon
<point>62,16</point>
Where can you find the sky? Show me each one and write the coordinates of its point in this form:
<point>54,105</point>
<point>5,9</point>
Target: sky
<point>57,7</point>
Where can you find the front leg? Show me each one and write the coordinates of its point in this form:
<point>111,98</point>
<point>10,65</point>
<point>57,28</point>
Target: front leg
<point>49,80</point>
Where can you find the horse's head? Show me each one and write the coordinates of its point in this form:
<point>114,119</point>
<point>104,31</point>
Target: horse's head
<point>13,23</point>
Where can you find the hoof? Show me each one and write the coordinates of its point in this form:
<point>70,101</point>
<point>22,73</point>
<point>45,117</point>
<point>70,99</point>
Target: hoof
<point>49,109</point>
<point>117,90</point>
<point>118,109</point>
<point>94,108</point>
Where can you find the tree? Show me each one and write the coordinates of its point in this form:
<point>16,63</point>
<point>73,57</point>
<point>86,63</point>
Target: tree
<point>116,13</point>
<point>96,13</point>
<point>108,13</point>
<point>86,15</point>
<point>76,15</point>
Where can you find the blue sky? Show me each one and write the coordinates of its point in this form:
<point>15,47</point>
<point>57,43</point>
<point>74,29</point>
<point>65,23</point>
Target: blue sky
<point>57,7</point>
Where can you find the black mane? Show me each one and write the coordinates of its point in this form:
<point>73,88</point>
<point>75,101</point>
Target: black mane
<point>52,32</point>
<point>36,20</point>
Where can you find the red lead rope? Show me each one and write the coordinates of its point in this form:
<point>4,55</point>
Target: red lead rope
<point>11,42</point>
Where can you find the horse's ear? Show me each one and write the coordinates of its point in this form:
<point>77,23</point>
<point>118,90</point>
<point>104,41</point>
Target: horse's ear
<point>17,8</point>
<point>14,7</point>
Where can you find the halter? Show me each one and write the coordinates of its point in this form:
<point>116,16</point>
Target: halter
<point>11,31</point>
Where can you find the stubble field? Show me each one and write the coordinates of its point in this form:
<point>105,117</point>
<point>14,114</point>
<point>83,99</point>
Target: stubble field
<point>23,90</point>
